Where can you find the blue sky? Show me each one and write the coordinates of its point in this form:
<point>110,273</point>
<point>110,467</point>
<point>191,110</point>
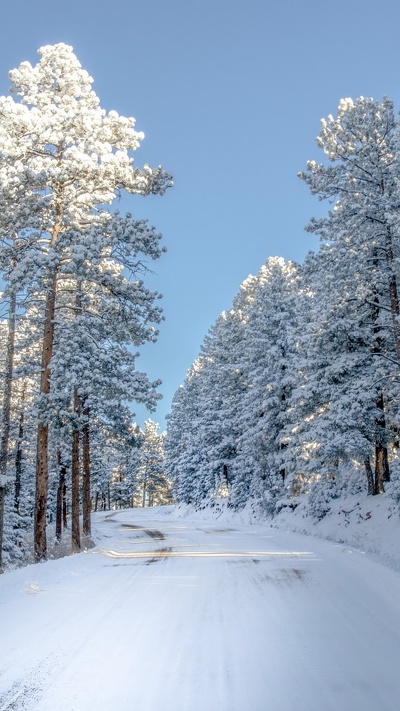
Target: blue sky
<point>229,95</point>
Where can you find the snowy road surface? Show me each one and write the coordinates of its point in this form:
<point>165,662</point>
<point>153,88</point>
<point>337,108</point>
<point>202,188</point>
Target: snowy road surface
<point>172,615</point>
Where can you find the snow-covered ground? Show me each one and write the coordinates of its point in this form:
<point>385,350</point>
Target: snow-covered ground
<point>369,523</point>
<point>172,613</point>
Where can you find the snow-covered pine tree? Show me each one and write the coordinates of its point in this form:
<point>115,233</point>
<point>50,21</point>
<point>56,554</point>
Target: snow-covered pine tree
<point>68,159</point>
<point>183,450</point>
<point>204,424</point>
<point>17,395</point>
<point>332,406</point>
<point>151,479</point>
<point>269,367</point>
<point>222,378</point>
<point>362,181</point>
<point>6,409</point>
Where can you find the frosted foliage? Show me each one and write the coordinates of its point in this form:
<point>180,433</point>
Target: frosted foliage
<point>225,430</point>
<point>61,146</point>
<point>152,482</point>
<point>77,270</point>
<point>296,389</point>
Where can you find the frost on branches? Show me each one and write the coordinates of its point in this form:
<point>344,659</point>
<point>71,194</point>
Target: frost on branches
<point>71,261</point>
<point>296,392</point>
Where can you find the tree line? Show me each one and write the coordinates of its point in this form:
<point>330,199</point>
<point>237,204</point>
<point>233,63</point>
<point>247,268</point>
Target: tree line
<point>296,388</point>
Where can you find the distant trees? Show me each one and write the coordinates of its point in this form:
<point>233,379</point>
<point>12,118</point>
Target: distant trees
<point>227,428</point>
<point>301,386</point>
<point>73,269</point>
<point>150,476</point>
<point>296,387</point>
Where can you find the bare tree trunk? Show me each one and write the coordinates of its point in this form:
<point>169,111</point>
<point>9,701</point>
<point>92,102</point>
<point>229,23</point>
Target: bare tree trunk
<point>86,500</point>
<point>6,413</point>
<point>43,427</point>
<point>75,528</point>
<point>370,476</point>
<point>96,500</point>
<point>144,495</point>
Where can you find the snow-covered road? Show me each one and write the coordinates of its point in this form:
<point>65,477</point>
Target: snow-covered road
<point>171,615</point>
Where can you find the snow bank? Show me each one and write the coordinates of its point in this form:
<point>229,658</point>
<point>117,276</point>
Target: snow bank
<point>371,524</point>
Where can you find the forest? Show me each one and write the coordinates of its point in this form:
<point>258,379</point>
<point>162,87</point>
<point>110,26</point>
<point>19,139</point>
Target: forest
<point>296,388</point>
<point>75,307</point>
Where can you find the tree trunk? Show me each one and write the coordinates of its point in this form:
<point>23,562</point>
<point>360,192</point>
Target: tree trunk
<point>64,506</point>
<point>86,500</point>
<point>43,427</point>
<point>75,528</point>
<point>381,456</point>
<point>6,413</point>
<point>60,496</point>
<point>379,469</point>
<point>2,497</point>
<point>370,476</point>
<point>96,500</point>
<point>393,291</point>
<point>18,454</point>
<point>59,510</point>
<point>144,495</point>
<point>386,469</point>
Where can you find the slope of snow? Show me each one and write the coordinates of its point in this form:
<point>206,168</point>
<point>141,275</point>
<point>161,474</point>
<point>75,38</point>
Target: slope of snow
<point>168,613</point>
<point>370,524</point>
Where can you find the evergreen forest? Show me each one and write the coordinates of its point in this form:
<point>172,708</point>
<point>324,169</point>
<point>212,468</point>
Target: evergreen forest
<point>296,389</point>
<point>75,309</point>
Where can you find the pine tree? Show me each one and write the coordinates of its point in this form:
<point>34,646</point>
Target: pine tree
<point>362,229</point>
<point>150,477</point>
<point>269,365</point>
<point>63,160</point>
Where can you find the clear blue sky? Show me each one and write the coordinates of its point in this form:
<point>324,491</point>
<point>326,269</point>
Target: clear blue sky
<point>229,94</point>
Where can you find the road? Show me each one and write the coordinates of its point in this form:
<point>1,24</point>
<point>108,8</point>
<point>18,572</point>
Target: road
<point>167,614</point>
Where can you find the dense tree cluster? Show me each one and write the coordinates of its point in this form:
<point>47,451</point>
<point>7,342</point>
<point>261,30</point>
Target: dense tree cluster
<point>74,297</point>
<point>297,388</point>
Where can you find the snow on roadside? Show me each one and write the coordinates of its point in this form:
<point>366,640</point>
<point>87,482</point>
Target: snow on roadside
<point>371,524</point>
<point>368,523</point>
<point>240,618</point>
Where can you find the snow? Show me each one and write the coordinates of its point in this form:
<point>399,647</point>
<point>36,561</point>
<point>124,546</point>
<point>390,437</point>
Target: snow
<point>369,523</point>
<point>176,612</point>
